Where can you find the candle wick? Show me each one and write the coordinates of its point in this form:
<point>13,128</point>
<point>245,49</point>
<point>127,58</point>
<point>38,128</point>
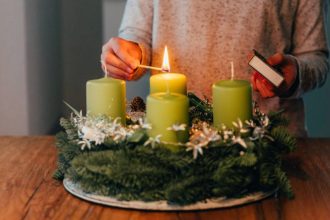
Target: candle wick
<point>104,68</point>
<point>165,70</point>
<point>232,70</point>
<point>167,86</point>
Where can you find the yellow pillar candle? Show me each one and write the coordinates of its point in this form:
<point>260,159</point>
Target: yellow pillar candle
<point>232,100</point>
<point>168,82</point>
<point>106,96</point>
<point>165,110</point>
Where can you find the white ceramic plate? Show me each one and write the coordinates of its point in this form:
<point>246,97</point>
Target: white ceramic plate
<point>223,202</point>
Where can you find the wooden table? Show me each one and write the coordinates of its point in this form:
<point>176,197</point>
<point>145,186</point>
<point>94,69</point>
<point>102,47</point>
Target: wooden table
<point>27,190</point>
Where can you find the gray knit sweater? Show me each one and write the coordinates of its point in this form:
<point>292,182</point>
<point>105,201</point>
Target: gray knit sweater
<point>204,36</point>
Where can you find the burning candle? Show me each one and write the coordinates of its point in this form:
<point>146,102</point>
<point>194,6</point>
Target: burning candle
<point>106,96</point>
<point>232,100</point>
<point>168,82</point>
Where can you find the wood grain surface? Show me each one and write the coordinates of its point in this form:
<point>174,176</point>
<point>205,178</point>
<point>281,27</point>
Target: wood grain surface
<point>27,190</point>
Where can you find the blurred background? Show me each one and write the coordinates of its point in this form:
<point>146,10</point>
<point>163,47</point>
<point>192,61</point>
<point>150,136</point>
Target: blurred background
<point>49,49</point>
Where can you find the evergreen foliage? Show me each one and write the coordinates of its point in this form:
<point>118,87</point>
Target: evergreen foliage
<point>128,170</point>
<point>200,109</point>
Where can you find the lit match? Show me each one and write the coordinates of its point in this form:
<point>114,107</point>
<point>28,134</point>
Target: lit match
<point>150,67</point>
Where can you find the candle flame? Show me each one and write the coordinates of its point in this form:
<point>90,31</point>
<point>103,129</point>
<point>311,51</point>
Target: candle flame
<point>166,63</point>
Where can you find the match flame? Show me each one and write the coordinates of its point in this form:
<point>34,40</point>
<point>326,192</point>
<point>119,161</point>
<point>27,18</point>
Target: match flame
<point>166,63</point>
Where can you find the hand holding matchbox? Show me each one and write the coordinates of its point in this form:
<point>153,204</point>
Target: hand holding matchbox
<point>259,63</point>
<point>278,75</point>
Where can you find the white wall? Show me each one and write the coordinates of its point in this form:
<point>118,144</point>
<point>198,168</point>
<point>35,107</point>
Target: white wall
<point>81,38</point>
<point>13,89</point>
<point>29,76</point>
<point>48,50</point>
<point>44,91</point>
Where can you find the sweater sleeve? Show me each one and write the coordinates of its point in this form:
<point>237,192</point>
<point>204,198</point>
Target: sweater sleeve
<point>310,45</point>
<point>136,26</point>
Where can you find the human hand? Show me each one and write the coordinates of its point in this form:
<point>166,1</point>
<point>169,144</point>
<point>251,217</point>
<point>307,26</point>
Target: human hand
<point>121,58</point>
<point>288,67</point>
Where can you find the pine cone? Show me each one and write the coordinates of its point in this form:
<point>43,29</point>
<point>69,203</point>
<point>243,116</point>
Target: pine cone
<point>137,105</point>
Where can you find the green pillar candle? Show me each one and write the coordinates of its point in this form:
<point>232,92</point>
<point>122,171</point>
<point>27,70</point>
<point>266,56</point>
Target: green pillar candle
<point>164,110</point>
<point>232,100</point>
<point>106,96</point>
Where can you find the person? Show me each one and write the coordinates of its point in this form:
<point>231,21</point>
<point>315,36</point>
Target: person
<point>204,36</point>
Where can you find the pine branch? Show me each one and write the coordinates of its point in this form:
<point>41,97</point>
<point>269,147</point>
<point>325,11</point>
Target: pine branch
<point>71,131</point>
<point>283,140</point>
<point>66,152</point>
<point>278,119</point>
<point>283,183</point>
<point>189,190</point>
<point>199,109</point>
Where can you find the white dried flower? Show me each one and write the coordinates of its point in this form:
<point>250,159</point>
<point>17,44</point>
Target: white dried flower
<point>239,140</point>
<point>265,121</point>
<point>201,138</point>
<point>153,141</point>
<point>239,125</point>
<point>250,123</point>
<point>210,133</point>
<point>84,143</point>
<point>177,127</point>
<point>227,134</point>
<point>96,129</point>
<point>259,133</point>
<point>92,135</point>
<point>196,149</point>
<point>144,124</point>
